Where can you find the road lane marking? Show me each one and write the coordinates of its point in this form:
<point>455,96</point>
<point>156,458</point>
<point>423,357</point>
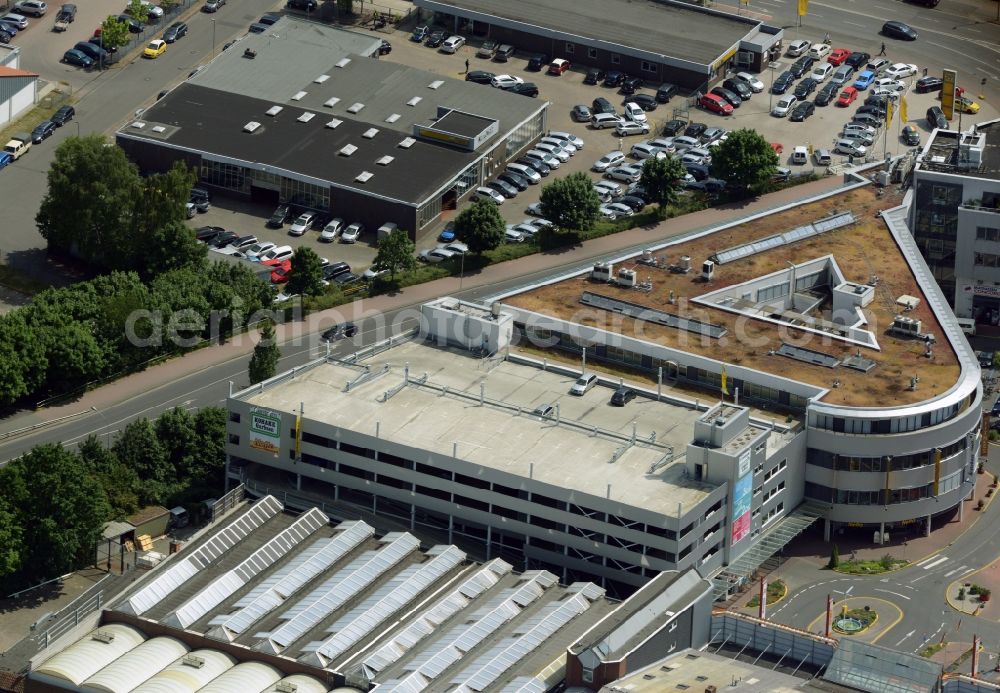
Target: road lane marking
<point>905,637</point>
<point>919,578</point>
<point>956,570</point>
<point>936,562</point>
<point>877,589</point>
<point>855,24</point>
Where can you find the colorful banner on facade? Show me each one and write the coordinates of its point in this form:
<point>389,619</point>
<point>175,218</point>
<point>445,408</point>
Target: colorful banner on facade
<point>902,110</point>
<point>742,499</point>
<point>265,430</point>
<point>803,8</point>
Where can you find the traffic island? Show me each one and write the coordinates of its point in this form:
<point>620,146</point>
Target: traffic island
<point>969,597</point>
<point>885,564</point>
<point>855,621</point>
<point>776,591</point>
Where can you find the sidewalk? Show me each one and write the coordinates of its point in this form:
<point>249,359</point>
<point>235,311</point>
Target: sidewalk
<point>296,332</point>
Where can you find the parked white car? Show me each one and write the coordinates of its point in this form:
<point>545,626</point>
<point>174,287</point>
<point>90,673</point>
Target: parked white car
<point>631,127</point>
<point>851,147</point>
<point>484,193</point>
<point>860,127</point>
<point>568,137</point>
<point>301,224</point>
<point>819,50</point>
<point>557,152</point>
<point>565,145</point>
<point>436,255</point>
<point>352,233</point>
<point>330,231</point>
<point>254,252</point>
<point>901,70</point>
<point>784,106</point>
<point>628,174</point>
<point>755,84</point>
<point>607,161</point>
<point>505,81</point>
<point>889,84</point>
<point>614,210</point>
<point>645,150</point>
<point>634,112</point>
<point>452,44</point>
<point>546,158</point>
<point>512,236</point>
<point>797,48</point>
<point>683,143</point>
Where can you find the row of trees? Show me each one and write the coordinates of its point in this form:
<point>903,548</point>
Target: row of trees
<point>56,501</point>
<point>70,336</point>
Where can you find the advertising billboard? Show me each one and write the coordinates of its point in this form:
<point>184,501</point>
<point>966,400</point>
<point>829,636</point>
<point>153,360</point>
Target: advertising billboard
<point>265,430</point>
<point>950,81</point>
<point>742,498</point>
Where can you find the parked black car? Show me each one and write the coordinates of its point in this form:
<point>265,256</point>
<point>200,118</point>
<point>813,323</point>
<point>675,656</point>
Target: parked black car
<point>877,110</point>
<point>543,168</point>
<point>134,25</point>
<point>538,61</point>
<point>740,87</point>
<point>802,65</point>
<point>645,101</point>
<point>622,396</point>
<point>602,105</point>
<point>805,87</point>
<point>827,94</point>
<point>92,51</point>
<point>631,85</point>
<point>280,215</point>
<point>899,30</point>
<point>802,110</point>
<point>515,179</point>
<point>699,171</point>
<point>524,89</point>
<point>206,233</point>
<point>672,127</point>
<point>935,118</point>
<point>479,76</point>
<point>384,48</point>
<point>695,130</point>
<point>857,59</point>
<point>504,53</point>
<point>632,202</point>
<point>781,84</point>
<point>43,130</point>
<point>224,239</point>
<point>928,84</point>
<point>730,96</point>
<point>594,75</point>
<point>305,5</point>
<point>665,91</point>
<point>175,31</point>
<point>436,39</point>
<point>614,79</point>
<point>63,115</point>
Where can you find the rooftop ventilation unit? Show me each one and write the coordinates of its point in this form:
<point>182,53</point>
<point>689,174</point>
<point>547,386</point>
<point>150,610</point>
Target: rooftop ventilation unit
<point>159,129</point>
<point>385,160</point>
<point>334,123</point>
<point>105,636</point>
<point>370,133</point>
<point>414,101</point>
<point>299,95</point>
<point>285,687</point>
<point>331,102</point>
<point>347,150</point>
<point>355,107</point>
<point>138,125</point>
<point>275,110</point>
<point>393,118</point>
<point>364,177</point>
<point>251,126</point>
<point>343,62</point>
<point>436,84</point>
<point>193,661</point>
<point>407,142</point>
<point>321,79</point>
<point>306,117</point>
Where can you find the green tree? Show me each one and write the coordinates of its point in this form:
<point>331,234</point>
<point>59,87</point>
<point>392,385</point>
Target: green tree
<point>139,449</point>
<point>11,541</point>
<point>345,6</point>
<point>659,178</point>
<point>23,364</point>
<point>120,483</point>
<point>264,362</point>
<point>210,429</point>
<point>114,32</point>
<point>138,10</point>
<point>745,160</point>
<point>834,561</point>
<point>480,226</point>
<point>395,253</point>
<point>571,203</point>
<point>175,428</point>
<point>306,276</point>
<point>62,511</point>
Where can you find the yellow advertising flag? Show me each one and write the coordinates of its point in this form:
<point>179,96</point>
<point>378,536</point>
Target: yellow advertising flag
<point>888,113</point>
<point>902,110</point>
<point>725,391</point>
<point>803,8</point>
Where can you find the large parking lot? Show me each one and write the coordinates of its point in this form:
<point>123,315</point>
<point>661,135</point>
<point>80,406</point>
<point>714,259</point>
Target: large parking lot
<point>821,130</point>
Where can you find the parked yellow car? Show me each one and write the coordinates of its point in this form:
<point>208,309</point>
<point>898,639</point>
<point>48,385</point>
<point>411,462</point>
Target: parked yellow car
<point>966,105</point>
<point>155,49</point>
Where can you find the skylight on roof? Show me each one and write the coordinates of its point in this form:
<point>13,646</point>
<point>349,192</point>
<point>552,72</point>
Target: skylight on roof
<point>385,160</point>
<point>347,150</point>
<point>321,79</point>
<point>355,107</point>
<point>334,123</point>
<point>343,62</point>
<point>393,118</point>
<point>435,84</point>
<point>251,126</point>
<point>299,95</point>
<point>407,142</point>
<point>364,177</point>
<point>275,110</point>
<point>331,102</point>
<point>370,133</point>
<point>414,101</point>
<point>138,125</point>
<point>159,129</point>
<point>306,117</point>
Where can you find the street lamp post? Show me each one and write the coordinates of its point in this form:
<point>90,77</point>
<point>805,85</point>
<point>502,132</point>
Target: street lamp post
<point>213,38</point>
<point>78,128</point>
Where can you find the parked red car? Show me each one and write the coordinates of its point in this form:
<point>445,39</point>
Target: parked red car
<point>558,66</point>
<point>715,104</point>
<point>281,272</point>
<point>838,56</point>
<point>847,96</point>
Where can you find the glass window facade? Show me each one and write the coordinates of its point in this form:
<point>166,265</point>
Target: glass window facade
<point>527,132</point>
<point>935,228</point>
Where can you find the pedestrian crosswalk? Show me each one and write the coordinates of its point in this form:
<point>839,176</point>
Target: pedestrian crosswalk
<point>936,561</point>
<point>932,562</point>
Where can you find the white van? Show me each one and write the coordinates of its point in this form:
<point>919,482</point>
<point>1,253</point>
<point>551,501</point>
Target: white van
<point>386,229</point>
<point>18,146</point>
<point>968,326</point>
<point>822,157</point>
<point>822,72</point>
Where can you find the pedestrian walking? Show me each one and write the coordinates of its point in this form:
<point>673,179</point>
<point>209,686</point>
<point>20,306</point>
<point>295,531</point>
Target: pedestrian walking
<point>882,52</point>
<point>466,65</point>
<point>925,72</point>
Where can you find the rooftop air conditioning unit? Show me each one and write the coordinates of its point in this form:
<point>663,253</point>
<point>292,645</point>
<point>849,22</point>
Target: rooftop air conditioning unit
<point>193,661</point>
<point>285,687</point>
<point>708,270</point>
<point>602,271</point>
<point>105,636</point>
<point>626,278</point>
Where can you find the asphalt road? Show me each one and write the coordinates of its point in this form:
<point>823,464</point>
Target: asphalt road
<point>918,591</point>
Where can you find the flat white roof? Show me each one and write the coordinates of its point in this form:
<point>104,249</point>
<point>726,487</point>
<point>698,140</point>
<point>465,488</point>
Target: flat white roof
<point>504,434</point>
<point>88,655</point>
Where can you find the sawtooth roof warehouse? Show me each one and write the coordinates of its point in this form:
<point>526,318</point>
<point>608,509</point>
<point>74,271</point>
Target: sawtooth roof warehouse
<point>311,117</point>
